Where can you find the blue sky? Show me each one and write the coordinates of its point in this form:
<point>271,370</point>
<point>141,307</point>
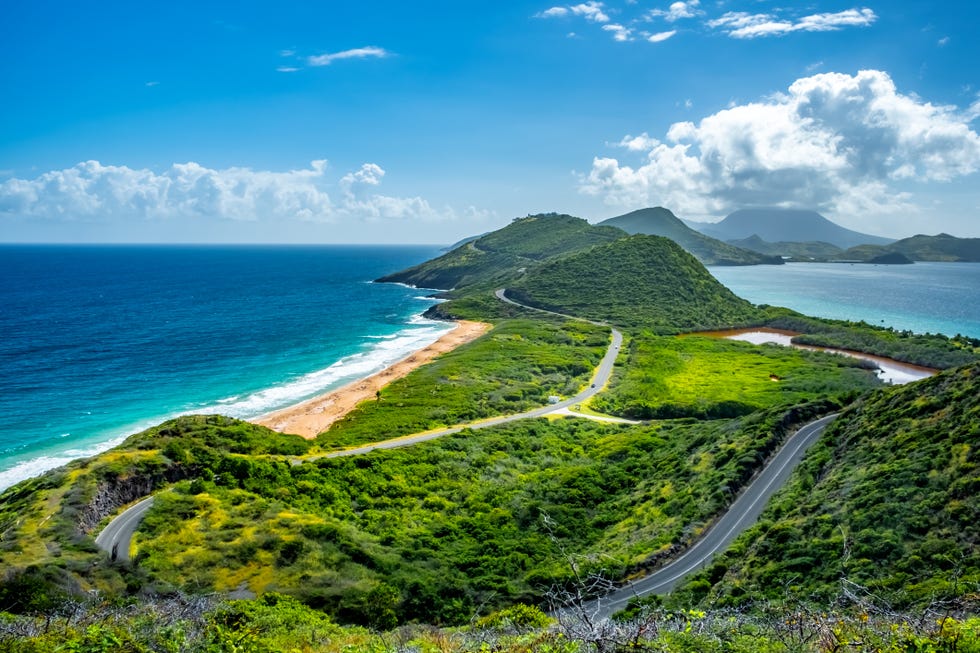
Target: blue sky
<point>430,121</point>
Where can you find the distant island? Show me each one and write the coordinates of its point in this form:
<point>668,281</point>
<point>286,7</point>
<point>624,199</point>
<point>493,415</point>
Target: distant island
<point>592,435</point>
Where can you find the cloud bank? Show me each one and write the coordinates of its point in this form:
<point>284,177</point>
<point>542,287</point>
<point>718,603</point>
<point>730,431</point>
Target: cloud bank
<point>91,191</point>
<point>833,142</point>
<point>743,25</point>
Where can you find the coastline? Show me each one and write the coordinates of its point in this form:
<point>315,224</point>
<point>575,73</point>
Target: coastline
<point>313,416</point>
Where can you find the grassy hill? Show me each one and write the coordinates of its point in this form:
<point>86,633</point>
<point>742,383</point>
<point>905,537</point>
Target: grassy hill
<point>888,500</point>
<point>659,221</point>
<point>504,254</point>
<point>646,281</point>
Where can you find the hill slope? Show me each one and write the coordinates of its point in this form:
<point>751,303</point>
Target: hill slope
<point>646,281</point>
<point>659,221</point>
<point>790,225</point>
<point>502,254</point>
<point>889,499</point>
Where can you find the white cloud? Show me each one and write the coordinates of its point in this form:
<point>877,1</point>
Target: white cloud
<point>833,142</point>
<point>943,42</point>
<point>90,191</point>
<point>356,53</point>
<point>678,10</point>
<point>592,11</point>
<point>287,69</point>
<point>661,36</point>
<point>743,25</point>
<point>554,12</point>
<point>620,33</point>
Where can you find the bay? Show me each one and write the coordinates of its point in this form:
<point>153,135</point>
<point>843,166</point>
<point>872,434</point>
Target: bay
<point>923,297</point>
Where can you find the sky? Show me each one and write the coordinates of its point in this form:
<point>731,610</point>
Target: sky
<point>426,122</point>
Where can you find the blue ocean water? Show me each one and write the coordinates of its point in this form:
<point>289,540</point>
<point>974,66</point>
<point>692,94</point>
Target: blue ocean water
<point>924,297</point>
<point>97,343</point>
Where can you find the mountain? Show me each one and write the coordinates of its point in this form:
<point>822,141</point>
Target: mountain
<point>640,280</point>
<point>505,253</point>
<point>811,250</point>
<point>659,221</point>
<point>790,225</point>
<point>887,502</point>
<point>941,247</point>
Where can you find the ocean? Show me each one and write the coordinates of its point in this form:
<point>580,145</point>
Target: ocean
<point>99,342</point>
<point>923,297</point>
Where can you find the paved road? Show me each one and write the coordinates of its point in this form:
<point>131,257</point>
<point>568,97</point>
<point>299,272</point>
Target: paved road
<point>116,537</point>
<point>743,513</point>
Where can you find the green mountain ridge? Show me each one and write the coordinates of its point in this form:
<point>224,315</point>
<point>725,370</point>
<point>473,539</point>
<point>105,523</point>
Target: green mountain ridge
<point>501,255</point>
<point>938,248</point>
<point>638,280</point>
<point>659,221</point>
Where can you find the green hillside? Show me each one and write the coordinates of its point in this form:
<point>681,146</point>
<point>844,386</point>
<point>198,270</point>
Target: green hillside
<point>503,254</point>
<point>889,500</point>
<point>646,281</point>
<point>659,221</point>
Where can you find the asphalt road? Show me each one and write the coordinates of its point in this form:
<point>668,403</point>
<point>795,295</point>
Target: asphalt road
<point>743,513</point>
<point>116,537</point>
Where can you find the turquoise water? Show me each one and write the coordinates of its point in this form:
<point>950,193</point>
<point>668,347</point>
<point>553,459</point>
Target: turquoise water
<point>924,297</point>
<point>102,342</point>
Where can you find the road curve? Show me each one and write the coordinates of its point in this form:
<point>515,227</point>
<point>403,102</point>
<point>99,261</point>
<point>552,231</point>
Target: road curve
<point>116,537</point>
<point>740,515</point>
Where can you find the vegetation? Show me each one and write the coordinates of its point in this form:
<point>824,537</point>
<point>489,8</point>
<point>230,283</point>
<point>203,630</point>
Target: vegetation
<point>802,251</point>
<point>638,281</point>
<point>710,378</point>
<point>514,368</point>
<point>886,504</point>
<point>659,221</point>
<point>929,350</point>
<point>503,255</point>
<point>487,527</point>
<point>279,624</point>
<point>941,247</point>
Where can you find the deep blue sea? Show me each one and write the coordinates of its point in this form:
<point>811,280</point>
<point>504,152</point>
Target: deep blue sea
<point>923,297</point>
<point>97,343</point>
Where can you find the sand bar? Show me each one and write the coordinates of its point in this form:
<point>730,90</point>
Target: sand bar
<point>315,415</point>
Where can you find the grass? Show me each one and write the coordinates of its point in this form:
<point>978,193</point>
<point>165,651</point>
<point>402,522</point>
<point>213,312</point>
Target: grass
<point>697,376</point>
<point>513,368</point>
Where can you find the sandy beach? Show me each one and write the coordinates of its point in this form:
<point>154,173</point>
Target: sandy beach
<point>315,415</point>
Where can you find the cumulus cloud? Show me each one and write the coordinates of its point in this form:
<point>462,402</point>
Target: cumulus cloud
<point>743,25</point>
<point>97,192</point>
<point>833,142</point>
<point>619,32</point>
<point>355,53</point>
<point>592,11</point>
<point>678,10</point>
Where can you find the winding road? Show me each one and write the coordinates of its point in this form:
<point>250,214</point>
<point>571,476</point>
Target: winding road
<point>116,537</point>
<point>743,512</point>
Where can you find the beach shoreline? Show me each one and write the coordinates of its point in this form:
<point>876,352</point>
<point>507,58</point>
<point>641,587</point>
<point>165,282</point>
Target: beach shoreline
<point>313,416</point>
